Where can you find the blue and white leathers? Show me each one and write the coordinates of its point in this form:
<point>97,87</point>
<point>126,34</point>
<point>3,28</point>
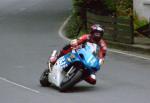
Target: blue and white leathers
<point>86,55</point>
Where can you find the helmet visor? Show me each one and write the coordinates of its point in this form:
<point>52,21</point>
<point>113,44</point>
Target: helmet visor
<point>97,36</point>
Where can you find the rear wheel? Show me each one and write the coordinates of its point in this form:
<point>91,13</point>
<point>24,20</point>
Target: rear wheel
<point>71,80</point>
<point>44,78</point>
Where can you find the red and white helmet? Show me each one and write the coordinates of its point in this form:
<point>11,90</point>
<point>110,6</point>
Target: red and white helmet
<point>97,32</point>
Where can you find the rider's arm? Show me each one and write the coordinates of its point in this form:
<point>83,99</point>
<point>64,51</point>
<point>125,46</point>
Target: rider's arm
<point>103,49</point>
<point>83,39</point>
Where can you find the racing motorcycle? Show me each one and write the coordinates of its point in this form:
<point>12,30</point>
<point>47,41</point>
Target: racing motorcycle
<point>72,67</point>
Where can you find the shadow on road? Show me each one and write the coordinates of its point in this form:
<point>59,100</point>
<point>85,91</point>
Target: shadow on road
<point>77,89</point>
<point>82,89</point>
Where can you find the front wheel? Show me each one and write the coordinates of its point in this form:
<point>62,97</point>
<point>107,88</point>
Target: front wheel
<point>44,78</point>
<point>70,81</point>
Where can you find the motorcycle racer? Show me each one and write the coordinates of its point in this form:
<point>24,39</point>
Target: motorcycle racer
<point>95,36</point>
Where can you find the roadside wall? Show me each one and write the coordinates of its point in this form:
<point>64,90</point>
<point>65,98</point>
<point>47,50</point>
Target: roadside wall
<point>142,8</point>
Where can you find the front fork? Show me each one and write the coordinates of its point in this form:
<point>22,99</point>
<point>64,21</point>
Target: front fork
<point>71,70</point>
<point>49,66</point>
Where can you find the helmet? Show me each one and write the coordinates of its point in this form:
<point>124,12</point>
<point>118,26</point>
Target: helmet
<point>97,32</point>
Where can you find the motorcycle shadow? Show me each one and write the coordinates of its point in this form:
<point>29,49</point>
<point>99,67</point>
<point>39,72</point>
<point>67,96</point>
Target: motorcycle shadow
<point>79,88</point>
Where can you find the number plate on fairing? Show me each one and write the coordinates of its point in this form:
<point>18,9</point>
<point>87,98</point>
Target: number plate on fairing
<point>62,62</point>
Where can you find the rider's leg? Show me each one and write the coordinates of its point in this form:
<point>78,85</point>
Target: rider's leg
<point>91,79</point>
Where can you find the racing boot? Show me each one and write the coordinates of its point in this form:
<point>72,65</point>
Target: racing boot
<point>91,79</point>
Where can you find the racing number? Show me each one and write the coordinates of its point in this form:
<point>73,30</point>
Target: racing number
<point>62,62</point>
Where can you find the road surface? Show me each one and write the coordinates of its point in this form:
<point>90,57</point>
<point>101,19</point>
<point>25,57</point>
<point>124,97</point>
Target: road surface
<point>28,34</point>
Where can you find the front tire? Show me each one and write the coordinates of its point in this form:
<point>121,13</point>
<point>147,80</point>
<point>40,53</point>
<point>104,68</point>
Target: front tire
<point>44,78</point>
<point>75,78</point>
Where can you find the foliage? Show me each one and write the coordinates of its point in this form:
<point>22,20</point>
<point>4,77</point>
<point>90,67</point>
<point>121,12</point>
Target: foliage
<point>77,4</point>
<point>124,7</point>
<point>72,27</point>
<point>110,4</point>
<point>139,22</point>
<point>77,19</point>
<point>120,7</point>
<point>102,7</point>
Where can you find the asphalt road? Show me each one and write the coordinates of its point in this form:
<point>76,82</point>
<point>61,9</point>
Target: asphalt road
<point>28,33</point>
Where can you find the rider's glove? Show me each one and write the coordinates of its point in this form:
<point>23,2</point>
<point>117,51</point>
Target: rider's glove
<point>101,61</point>
<point>74,43</point>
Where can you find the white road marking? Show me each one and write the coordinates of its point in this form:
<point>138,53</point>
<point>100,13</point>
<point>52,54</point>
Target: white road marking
<point>110,50</point>
<point>61,29</point>
<point>132,55</point>
<point>13,83</point>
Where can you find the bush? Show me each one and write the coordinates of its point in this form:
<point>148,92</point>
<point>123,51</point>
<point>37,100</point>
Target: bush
<point>75,22</point>
<point>77,4</point>
<point>72,27</point>
<point>124,7</point>
<point>120,7</point>
<point>110,4</point>
<point>139,22</point>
